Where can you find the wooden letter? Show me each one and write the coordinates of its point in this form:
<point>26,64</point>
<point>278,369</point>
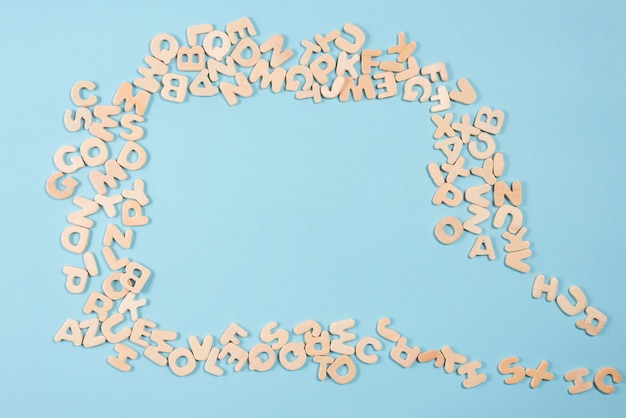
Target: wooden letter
<point>440,231</point>
<point>124,353</point>
<point>580,301</point>
<point>593,322</point>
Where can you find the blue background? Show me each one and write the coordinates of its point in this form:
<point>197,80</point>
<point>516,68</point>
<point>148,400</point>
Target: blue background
<point>281,210</point>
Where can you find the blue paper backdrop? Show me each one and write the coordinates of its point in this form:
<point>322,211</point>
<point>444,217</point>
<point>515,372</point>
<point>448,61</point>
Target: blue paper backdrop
<point>281,210</point>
